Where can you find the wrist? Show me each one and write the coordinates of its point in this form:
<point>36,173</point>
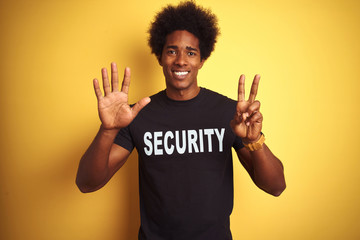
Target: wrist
<point>248,141</point>
<point>108,131</point>
<point>255,145</point>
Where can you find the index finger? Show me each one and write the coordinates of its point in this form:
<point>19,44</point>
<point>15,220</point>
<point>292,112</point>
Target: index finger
<point>254,88</point>
<point>241,88</point>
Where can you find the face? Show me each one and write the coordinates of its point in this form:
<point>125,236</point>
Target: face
<point>181,62</point>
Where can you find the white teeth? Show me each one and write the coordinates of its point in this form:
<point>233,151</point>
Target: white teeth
<point>181,73</point>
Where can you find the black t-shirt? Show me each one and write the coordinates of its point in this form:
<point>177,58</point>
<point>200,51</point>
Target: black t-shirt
<point>185,166</point>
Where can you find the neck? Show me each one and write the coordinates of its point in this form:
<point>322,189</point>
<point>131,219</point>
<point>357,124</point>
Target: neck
<point>182,95</point>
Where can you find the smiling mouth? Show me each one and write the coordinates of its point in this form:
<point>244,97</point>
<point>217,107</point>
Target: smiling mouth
<point>180,74</point>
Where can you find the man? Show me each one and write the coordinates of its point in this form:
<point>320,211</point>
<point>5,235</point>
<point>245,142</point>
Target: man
<point>183,135</point>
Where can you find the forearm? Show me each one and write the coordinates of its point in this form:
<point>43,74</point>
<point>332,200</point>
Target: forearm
<point>268,172</point>
<point>93,169</point>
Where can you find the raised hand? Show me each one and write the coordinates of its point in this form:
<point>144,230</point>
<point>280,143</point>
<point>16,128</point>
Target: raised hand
<point>113,107</point>
<point>247,122</point>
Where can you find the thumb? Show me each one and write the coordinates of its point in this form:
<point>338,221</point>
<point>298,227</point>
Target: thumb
<point>139,105</point>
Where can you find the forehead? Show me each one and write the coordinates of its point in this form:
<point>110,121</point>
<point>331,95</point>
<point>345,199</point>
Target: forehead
<point>182,38</point>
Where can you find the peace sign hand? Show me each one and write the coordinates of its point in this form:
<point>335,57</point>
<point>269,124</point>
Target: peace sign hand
<point>247,121</point>
<point>113,107</point>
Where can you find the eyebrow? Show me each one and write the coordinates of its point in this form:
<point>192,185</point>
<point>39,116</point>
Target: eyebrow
<point>188,48</point>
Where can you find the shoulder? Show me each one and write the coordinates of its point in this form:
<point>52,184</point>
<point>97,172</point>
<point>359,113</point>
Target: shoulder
<point>210,95</point>
<point>159,95</point>
<point>158,98</point>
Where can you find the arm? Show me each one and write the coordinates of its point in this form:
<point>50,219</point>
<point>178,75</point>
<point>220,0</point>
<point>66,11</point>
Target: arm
<point>264,168</point>
<point>103,158</point>
<point>100,162</point>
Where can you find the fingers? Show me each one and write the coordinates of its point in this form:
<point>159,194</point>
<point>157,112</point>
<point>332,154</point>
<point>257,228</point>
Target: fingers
<point>97,89</point>
<point>126,81</point>
<point>254,88</point>
<point>114,77</point>
<point>256,117</point>
<point>254,107</point>
<point>241,88</point>
<point>253,113</point>
<point>105,79</point>
<point>239,117</point>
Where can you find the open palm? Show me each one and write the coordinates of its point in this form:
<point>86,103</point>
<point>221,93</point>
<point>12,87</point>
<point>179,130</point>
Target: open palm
<point>113,107</point>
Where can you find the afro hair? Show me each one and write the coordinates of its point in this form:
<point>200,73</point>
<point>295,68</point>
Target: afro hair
<point>201,22</point>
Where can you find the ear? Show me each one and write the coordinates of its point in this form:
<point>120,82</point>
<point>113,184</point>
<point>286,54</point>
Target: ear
<point>159,60</point>
<point>201,63</point>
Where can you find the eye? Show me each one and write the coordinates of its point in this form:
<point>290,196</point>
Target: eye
<point>171,52</point>
<point>191,53</point>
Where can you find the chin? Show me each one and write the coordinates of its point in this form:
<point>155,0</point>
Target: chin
<point>179,86</point>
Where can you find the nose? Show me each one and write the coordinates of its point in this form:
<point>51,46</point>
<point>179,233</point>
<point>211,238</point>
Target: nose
<point>181,59</point>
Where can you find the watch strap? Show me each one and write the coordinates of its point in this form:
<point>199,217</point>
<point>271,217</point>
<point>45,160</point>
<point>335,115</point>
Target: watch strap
<point>255,145</point>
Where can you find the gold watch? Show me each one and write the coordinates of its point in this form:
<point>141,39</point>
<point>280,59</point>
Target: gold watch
<point>255,145</point>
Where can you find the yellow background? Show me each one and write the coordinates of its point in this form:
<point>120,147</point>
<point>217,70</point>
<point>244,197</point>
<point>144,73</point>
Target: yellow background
<point>308,53</point>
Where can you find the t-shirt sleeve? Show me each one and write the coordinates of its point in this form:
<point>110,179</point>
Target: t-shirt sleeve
<point>124,139</point>
<point>238,143</point>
